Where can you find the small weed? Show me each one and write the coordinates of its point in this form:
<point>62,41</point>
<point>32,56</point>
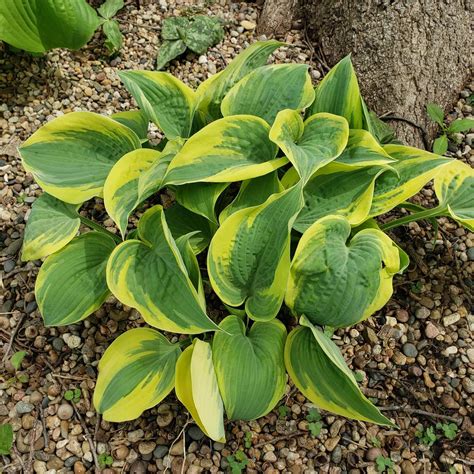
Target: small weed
<point>248,439</point>
<point>6,439</point>
<point>17,359</point>
<point>375,442</point>
<point>73,395</point>
<point>427,436</point>
<point>282,411</point>
<point>314,422</point>
<point>384,464</point>
<point>105,460</point>
<point>440,145</point>
<point>450,430</point>
<point>237,462</point>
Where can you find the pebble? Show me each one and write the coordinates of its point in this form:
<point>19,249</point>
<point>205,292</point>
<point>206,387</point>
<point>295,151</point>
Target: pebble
<point>372,454</point>
<point>470,354</point>
<point>177,448</point>
<point>195,433</point>
<point>23,407</point>
<point>422,313</point>
<point>409,349</point>
<point>146,447</point>
<point>402,315</point>
<point>451,319</point>
<point>160,451</point>
<point>431,331</point>
<point>248,25</point>
<point>8,266</point>
<point>65,411</point>
<point>72,341</point>
<point>270,457</point>
<point>135,436</point>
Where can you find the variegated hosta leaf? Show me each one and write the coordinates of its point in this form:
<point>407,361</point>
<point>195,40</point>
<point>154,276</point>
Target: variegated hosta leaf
<point>201,198</point>
<point>412,170</point>
<point>337,282</point>
<point>212,91</point>
<point>196,388</point>
<point>71,156</point>
<point>332,191</point>
<point>249,366</point>
<point>230,149</point>
<point>312,144</point>
<point>121,186</point>
<point>269,89</point>
<point>363,150</point>
<point>252,193</point>
<point>191,263</point>
<point>135,373</point>
<point>338,93</point>
<point>167,102</point>
<point>181,222</point>
<point>134,119</point>
<point>454,187</point>
<point>149,274</point>
<point>38,26</point>
<point>151,180</point>
<point>71,283</point>
<point>249,255</point>
<point>318,369</point>
<point>51,225</point>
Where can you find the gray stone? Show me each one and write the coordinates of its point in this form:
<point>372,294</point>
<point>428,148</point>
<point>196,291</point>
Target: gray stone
<point>23,407</point>
<point>160,451</point>
<point>409,350</point>
<point>195,433</point>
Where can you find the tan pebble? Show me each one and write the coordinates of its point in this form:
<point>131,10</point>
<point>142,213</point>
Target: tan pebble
<point>79,468</point>
<point>146,447</point>
<point>65,411</point>
<point>248,25</point>
<point>270,457</point>
<point>177,449</point>
<point>121,453</point>
<point>331,443</point>
<point>407,467</point>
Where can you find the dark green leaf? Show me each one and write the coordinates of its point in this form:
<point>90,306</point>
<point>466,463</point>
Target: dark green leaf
<point>204,32</point>
<point>174,28</point>
<point>168,51</point>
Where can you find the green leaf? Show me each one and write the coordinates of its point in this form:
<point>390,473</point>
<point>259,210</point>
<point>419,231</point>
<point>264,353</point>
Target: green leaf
<point>332,191</point>
<point>454,188</point>
<point>196,388</point>
<point>440,145</point>
<point>174,28</point>
<point>461,125</point>
<point>71,156</point>
<point>169,50</point>
<point>381,130</point>
<point>252,193</point>
<point>255,360</point>
<point>121,188</point>
<point>412,170</point>
<point>230,149</point>
<point>203,32</point>
<point>38,26</point>
<point>269,89</point>
<point>436,113</point>
<point>135,120</point>
<point>182,222</point>
<point>201,198</point>
<point>135,373</point>
<point>337,282</point>
<point>318,369</point>
<point>164,99</point>
<point>50,226</point>
<point>71,283</point>
<point>6,439</point>
<point>338,93</point>
<point>110,8</point>
<point>17,359</point>
<point>168,301</point>
<point>114,37</point>
<point>249,255</point>
<point>312,144</point>
<point>213,90</point>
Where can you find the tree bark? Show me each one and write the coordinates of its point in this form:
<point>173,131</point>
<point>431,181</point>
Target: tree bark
<point>407,53</point>
<point>278,16</point>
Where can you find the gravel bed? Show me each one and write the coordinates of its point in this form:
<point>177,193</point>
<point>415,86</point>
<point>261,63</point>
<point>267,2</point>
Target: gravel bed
<point>415,358</point>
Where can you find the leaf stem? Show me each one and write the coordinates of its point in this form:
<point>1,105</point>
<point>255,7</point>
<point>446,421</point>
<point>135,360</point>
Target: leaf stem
<point>425,214</point>
<point>93,225</point>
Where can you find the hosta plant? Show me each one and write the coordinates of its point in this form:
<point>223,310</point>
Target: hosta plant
<point>40,25</point>
<point>277,186</point>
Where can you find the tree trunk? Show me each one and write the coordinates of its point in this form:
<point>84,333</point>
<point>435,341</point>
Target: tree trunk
<point>278,16</point>
<point>407,53</point>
